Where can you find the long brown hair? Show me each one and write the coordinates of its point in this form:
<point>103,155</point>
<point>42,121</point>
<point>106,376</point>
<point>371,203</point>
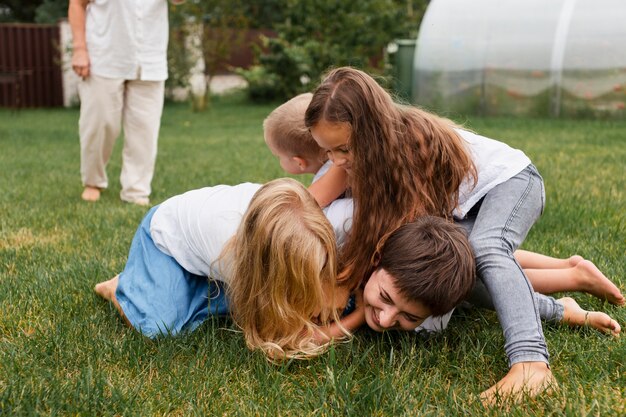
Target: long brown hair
<point>406,162</point>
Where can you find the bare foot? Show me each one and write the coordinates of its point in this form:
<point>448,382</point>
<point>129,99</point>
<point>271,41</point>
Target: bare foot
<point>139,201</point>
<point>524,378</point>
<point>90,193</point>
<point>593,281</point>
<point>106,290</point>
<point>575,260</point>
<point>574,315</point>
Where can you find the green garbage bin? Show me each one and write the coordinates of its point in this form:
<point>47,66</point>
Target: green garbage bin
<point>404,68</point>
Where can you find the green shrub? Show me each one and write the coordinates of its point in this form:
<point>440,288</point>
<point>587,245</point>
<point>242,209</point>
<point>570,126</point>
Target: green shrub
<point>320,34</point>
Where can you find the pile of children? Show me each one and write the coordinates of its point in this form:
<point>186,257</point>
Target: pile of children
<point>283,260</point>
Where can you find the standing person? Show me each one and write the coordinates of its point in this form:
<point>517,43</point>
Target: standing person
<point>404,163</point>
<point>120,53</point>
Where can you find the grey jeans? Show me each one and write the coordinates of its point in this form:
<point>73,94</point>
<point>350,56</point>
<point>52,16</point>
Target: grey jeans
<point>496,229</point>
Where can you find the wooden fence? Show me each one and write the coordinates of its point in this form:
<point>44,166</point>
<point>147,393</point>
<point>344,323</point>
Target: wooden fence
<point>30,72</point>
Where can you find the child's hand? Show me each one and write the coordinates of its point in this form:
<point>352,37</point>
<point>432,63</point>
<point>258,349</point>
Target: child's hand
<point>351,322</point>
<point>355,319</point>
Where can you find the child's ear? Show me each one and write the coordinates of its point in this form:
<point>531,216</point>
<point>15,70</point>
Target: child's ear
<point>303,164</point>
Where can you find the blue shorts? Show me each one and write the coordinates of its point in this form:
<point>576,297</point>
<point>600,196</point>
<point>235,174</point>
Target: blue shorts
<point>158,296</point>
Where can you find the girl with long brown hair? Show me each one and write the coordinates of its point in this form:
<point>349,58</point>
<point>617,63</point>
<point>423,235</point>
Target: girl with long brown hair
<point>403,163</point>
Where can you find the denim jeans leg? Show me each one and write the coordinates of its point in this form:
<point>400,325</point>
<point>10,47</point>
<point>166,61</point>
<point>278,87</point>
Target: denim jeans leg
<point>506,215</point>
<point>549,309</point>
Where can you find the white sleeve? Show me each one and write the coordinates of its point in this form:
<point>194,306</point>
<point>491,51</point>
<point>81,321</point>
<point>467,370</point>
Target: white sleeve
<point>435,323</point>
<point>339,214</point>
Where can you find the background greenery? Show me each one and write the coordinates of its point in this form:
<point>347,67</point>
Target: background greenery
<point>65,351</point>
<point>309,36</point>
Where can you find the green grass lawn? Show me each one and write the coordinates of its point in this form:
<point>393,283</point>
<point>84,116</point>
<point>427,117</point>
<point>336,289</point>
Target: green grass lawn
<point>65,351</point>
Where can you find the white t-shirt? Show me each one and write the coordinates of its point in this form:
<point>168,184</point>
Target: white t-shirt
<point>495,163</point>
<point>339,212</point>
<point>194,227</point>
<point>127,39</point>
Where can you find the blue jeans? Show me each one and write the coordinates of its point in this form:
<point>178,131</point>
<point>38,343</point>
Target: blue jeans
<point>496,229</point>
<point>160,297</point>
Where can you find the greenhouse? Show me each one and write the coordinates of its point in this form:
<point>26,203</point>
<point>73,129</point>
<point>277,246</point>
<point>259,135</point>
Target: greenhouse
<point>526,57</point>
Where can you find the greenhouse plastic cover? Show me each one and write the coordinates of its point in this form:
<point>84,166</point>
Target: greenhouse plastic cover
<point>522,57</point>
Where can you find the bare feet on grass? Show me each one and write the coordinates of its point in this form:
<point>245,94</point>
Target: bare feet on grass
<point>91,194</point>
<point>593,281</point>
<point>106,290</point>
<point>574,315</point>
<point>533,378</point>
<point>524,379</point>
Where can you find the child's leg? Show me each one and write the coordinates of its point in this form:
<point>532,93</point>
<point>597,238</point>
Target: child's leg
<point>585,276</point>
<point>534,260</point>
<point>155,294</point>
<point>576,316</point>
<point>563,310</point>
<point>503,221</point>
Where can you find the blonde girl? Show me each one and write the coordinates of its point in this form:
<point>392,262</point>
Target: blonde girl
<point>404,163</point>
<point>270,246</point>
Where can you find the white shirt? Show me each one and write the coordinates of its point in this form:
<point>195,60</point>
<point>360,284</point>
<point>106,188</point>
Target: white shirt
<point>339,212</point>
<point>495,163</point>
<point>435,324</point>
<point>127,39</point>
<point>194,227</point>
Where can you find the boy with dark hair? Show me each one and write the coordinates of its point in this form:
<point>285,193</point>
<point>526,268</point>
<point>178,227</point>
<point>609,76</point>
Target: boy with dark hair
<point>427,267</point>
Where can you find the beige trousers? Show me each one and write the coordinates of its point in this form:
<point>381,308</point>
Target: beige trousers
<point>106,105</point>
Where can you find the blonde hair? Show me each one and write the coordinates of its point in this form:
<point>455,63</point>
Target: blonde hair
<point>284,128</point>
<point>283,257</point>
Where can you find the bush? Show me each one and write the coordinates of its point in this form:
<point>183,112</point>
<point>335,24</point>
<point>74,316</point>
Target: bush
<point>319,34</point>
<point>283,71</point>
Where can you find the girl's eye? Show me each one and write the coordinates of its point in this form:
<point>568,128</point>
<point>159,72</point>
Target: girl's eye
<point>343,151</point>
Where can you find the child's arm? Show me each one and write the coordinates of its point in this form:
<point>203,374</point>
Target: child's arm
<point>351,322</point>
<point>330,186</point>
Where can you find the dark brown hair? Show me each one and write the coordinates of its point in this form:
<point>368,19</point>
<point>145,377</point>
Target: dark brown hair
<point>406,162</point>
<point>431,261</point>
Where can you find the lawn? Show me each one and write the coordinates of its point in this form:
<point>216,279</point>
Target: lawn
<point>65,351</point>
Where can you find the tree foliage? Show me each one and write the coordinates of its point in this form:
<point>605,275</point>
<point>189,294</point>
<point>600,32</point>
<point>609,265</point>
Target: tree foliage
<point>318,34</point>
<point>33,11</point>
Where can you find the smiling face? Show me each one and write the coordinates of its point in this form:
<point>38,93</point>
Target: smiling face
<point>334,138</point>
<point>386,309</point>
